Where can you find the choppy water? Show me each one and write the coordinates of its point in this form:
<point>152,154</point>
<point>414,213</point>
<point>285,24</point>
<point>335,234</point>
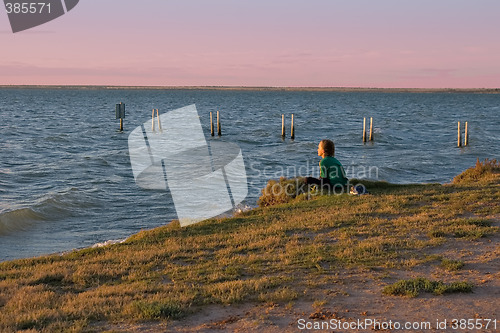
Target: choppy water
<point>66,180</point>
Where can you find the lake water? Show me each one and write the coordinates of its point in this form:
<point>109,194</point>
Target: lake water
<point>66,180</point>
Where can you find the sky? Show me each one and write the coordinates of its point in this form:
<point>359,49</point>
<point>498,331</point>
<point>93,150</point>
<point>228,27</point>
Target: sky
<point>313,43</point>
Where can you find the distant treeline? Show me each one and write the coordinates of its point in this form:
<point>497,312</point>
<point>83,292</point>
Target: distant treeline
<point>329,89</point>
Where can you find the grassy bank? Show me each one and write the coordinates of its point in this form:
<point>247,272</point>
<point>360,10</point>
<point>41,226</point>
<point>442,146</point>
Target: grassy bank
<point>277,254</point>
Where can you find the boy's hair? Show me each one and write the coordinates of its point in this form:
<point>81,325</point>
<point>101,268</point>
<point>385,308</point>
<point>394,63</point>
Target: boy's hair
<point>328,147</point>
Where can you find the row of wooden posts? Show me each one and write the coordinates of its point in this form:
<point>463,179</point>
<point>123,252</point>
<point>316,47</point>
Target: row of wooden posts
<point>466,137</point>
<point>120,114</point>
<point>219,128</point>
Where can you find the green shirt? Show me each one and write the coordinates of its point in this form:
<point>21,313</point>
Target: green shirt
<point>330,167</point>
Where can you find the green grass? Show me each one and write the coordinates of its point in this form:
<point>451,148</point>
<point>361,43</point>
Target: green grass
<point>451,265</point>
<point>277,253</point>
<point>413,287</point>
<point>158,310</point>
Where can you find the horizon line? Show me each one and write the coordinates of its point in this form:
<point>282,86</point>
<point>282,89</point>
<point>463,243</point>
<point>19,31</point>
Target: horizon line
<point>255,88</point>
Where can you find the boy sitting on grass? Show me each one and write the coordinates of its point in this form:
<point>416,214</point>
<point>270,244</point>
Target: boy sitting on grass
<point>332,174</point>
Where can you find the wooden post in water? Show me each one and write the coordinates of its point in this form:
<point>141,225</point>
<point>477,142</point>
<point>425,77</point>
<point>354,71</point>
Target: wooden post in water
<point>153,120</point>
<point>282,126</point>
<point>211,125</point>
<point>158,116</point>
<point>371,129</point>
<point>292,130</point>
<point>459,143</point>
<point>219,130</point>
<point>466,138</point>
<point>120,114</point>
<point>364,129</point>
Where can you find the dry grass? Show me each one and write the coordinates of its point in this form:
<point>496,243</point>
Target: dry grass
<point>271,254</point>
<point>283,191</point>
<point>483,172</point>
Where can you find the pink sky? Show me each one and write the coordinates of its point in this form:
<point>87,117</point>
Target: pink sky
<point>385,43</point>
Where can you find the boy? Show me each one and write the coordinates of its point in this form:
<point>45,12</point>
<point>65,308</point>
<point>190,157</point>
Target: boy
<point>332,173</point>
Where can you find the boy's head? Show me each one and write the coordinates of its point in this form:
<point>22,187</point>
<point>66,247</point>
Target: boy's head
<point>326,148</point>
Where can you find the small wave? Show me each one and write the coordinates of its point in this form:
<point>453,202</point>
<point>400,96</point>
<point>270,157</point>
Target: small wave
<point>58,138</point>
<point>51,207</point>
<point>69,199</point>
<point>109,242</point>
<point>17,220</point>
<point>242,208</point>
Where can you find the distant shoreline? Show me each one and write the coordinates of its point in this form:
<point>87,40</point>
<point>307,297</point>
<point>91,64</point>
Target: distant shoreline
<point>243,88</point>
